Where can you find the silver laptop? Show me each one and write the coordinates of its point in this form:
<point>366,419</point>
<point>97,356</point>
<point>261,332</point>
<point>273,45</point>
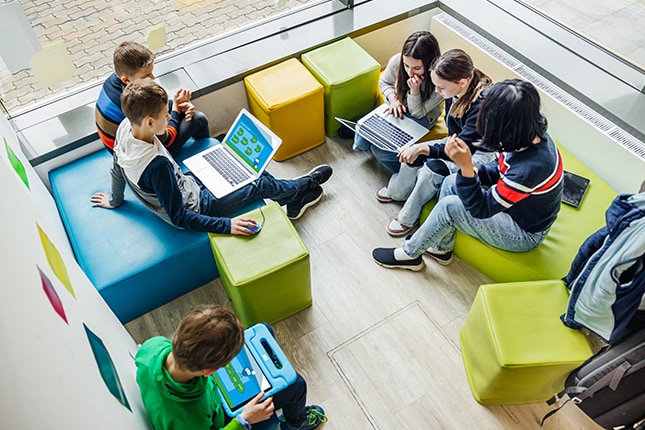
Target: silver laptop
<point>385,130</point>
<point>240,159</point>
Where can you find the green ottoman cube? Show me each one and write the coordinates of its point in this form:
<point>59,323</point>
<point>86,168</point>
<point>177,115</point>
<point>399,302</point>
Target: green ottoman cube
<point>515,348</point>
<point>266,275</point>
<point>349,76</point>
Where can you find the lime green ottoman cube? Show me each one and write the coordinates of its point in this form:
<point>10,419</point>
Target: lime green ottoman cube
<point>515,348</point>
<point>266,275</point>
<point>349,76</point>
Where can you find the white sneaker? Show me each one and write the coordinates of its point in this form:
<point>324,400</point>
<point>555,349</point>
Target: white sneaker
<point>383,195</point>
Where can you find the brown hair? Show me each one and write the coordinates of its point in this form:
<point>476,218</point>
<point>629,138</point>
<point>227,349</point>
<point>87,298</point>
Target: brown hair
<point>208,337</point>
<point>455,65</point>
<point>143,98</point>
<point>130,57</point>
<point>420,45</point>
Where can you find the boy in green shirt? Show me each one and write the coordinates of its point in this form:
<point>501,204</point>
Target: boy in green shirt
<point>179,393</point>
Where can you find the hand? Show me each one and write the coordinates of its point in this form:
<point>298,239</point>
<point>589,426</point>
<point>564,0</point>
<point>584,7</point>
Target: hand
<point>240,226</point>
<point>102,200</point>
<point>256,411</point>
<point>414,83</point>
<point>411,153</point>
<point>181,96</point>
<point>396,108</point>
<point>459,152</point>
<point>188,109</point>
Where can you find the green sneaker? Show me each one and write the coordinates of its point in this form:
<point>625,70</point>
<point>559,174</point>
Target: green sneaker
<point>315,417</point>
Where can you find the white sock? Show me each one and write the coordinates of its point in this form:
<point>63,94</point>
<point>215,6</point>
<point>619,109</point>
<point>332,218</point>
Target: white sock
<point>400,255</point>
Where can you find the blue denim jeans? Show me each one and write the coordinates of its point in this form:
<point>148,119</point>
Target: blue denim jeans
<point>197,127</point>
<point>449,215</point>
<point>418,185</point>
<point>266,186</point>
<point>389,159</point>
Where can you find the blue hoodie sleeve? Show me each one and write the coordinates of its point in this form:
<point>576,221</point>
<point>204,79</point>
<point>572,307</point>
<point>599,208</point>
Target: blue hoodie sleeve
<point>160,176</point>
<point>466,130</point>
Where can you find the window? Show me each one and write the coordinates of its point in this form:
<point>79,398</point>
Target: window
<point>77,38</point>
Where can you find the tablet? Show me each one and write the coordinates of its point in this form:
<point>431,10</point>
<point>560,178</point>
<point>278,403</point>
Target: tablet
<point>241,380</point>
<point>575,187</point>
<point>260,366</point>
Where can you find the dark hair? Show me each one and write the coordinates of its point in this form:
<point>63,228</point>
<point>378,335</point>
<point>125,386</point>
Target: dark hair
<point>142,98</point>
<point>208,337</point>
<point>420,45</point>
<point>509,118</point>
<point>455,65</point>
<point>130,57</point>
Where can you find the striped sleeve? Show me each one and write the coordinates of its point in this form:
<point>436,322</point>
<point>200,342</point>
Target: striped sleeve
<point>508,192</point>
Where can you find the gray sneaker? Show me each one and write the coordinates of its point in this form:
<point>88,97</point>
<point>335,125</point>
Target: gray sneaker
<point>303,201</point>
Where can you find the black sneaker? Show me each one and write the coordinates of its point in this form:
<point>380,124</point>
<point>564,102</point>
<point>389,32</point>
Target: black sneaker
<point>345,132</point>
<point>385,257</point>
<point>303,201</point>
<point>318,175</point>
<point>444,258</point>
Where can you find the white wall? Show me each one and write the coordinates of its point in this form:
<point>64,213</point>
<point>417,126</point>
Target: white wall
<point>50,377</point>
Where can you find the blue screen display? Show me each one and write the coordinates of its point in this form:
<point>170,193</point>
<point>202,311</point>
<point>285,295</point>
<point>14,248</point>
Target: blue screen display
<point>241,379</point>
<point>249,142</point>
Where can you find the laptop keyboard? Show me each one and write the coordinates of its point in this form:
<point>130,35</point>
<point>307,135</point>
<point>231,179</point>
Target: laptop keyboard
<point>394,137</point>
<point>229,170</point>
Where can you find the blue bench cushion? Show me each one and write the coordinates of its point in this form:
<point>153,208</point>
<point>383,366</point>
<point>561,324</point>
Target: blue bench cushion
<point>135,260</point>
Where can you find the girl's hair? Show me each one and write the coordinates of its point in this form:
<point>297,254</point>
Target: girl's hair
<point>208,337</point>
<point>455,65</point>
<point>421,45</point>
<point>509,118</point>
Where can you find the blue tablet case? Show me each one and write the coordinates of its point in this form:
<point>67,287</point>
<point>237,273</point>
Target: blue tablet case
<point>260,366</point>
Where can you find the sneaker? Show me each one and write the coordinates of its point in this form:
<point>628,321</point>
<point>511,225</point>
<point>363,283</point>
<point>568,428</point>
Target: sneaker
<point>441,257</point>
<point>220,137</point>
<point>318,175</point>
<point>303,201</point>
<point>396,229</point>
<point>385,258</point>
<point>315,417</point>
<point>383,195</point>
<point>345,132</point>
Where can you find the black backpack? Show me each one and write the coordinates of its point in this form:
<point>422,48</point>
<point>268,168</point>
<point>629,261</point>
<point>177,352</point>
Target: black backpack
<point>610,386</point>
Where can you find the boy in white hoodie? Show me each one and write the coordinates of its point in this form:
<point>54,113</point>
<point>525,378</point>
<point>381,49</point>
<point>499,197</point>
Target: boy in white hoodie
<point>178,198</point>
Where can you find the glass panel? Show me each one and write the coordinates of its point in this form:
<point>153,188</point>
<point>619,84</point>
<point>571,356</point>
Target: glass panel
<point>615,25</point>
<point>78,38</point>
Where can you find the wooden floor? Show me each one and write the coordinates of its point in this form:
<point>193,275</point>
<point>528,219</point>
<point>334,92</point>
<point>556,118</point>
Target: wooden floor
<point>379,348</point>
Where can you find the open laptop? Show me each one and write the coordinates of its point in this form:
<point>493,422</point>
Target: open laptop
<point>385,130</point>
<point>244,154</point>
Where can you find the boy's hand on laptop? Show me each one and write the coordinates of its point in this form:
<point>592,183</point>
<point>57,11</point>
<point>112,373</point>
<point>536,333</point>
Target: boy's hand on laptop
<point>102,200</point>
<point>256,411</point>
<point>241,226</point>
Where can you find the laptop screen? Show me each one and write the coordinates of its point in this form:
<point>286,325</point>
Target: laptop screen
<point>252,144</point>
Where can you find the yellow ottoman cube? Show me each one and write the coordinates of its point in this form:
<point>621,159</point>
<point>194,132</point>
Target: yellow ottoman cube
<point>289,100</point>
<point>266,275</point>
<point>515,348</point>
<point>349,76</point>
